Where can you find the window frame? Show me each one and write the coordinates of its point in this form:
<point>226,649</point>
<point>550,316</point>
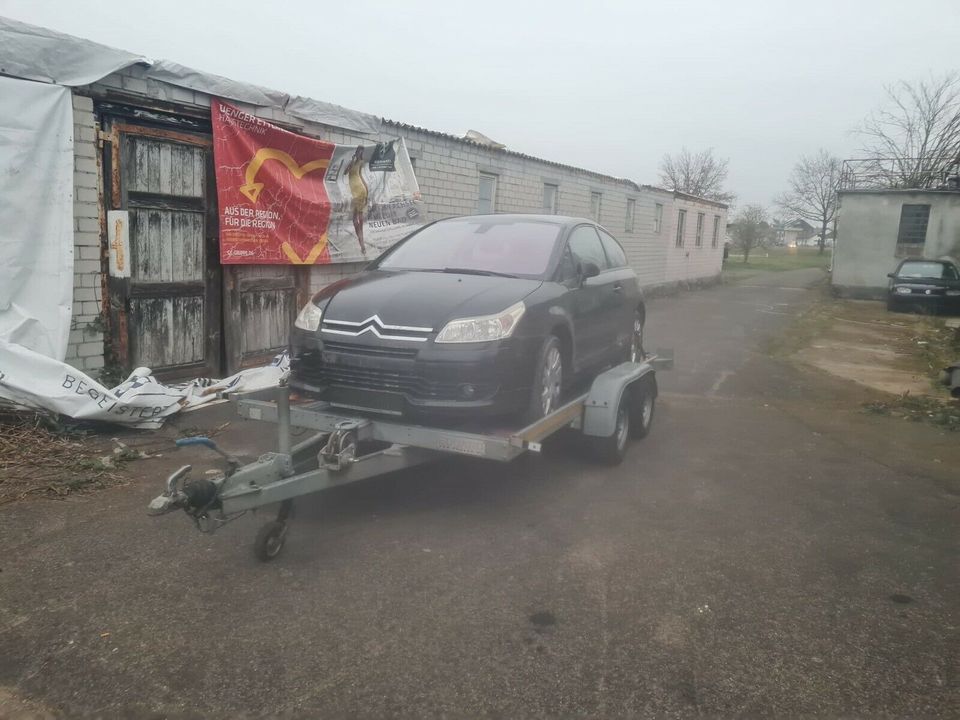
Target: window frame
<point>681,228</point>
<point>698,238</point>
<point>629,222</point>
<point>658,218</point>
<point>493,195</point>
<point>598,196</point>
<point>554,208</point>
<point>715,241</point>
<point>911,246</point>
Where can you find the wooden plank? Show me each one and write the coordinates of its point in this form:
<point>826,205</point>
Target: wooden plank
<point>166,331</point>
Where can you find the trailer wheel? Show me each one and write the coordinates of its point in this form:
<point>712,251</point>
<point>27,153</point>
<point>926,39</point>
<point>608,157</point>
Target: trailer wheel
<point>642,405</point>
<point>270,539</point>
<point>612,450</point>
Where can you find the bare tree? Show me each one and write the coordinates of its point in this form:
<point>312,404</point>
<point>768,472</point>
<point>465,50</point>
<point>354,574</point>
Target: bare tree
<point>915,136</point>
<point>700,174</point>
<point>813,191</point>
<point>750,228</point>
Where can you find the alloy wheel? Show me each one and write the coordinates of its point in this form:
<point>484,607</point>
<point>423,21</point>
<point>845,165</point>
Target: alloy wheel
<point>636,341</point>
<point>552,379</point>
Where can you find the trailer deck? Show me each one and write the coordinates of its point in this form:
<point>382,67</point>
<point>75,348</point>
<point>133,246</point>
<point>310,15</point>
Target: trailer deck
<point>348,447</point>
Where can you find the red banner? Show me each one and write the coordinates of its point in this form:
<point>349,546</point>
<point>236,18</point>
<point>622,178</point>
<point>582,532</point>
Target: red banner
<point>290,199</point>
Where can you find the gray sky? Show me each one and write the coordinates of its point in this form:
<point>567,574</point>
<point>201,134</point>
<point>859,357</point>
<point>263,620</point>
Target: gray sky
<point>610,86</point>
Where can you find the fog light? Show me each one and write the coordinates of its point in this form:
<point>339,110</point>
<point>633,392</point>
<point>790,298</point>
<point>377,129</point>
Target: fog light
<point>467,391</point>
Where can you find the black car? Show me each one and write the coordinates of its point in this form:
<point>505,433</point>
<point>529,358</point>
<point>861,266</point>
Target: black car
<point>925,285</point>
<point>473,316</point>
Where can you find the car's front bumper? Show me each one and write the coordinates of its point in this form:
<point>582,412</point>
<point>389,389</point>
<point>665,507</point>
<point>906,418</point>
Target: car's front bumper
<point>398,378</point>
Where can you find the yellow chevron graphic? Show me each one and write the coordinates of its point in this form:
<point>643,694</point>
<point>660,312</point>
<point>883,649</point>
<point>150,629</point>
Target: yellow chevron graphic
<point>311,257</point>
<point>252,188</point>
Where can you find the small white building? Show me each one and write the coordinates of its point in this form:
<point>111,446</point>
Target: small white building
<point>876,229</point>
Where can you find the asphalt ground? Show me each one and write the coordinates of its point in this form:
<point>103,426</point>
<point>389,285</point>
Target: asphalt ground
<point>767,550</point>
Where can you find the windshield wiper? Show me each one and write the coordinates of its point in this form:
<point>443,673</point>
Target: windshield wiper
<point>474,271</point>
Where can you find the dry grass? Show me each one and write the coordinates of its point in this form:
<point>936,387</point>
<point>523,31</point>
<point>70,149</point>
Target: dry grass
<point>39,460</point>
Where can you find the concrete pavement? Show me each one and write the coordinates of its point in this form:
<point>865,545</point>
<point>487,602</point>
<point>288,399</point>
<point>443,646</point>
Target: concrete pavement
<point>763,552</point>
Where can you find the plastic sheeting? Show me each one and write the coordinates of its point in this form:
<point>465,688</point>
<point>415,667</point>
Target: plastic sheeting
<point>182,76</point>
<point>36,215</point>
<point>31,380</point>
<point>36,53</point>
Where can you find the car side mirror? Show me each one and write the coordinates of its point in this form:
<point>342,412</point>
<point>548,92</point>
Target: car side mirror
<point>588,270</point>
<point>891,275</point>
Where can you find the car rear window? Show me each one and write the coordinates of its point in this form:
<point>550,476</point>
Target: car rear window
<point>521,248</point>
<point>927,270</point>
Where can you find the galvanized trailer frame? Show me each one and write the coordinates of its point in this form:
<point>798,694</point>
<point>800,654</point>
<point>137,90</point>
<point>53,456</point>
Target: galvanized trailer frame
<point>348,447</point>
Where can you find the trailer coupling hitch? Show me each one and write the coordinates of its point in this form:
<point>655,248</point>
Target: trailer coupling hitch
<point>197,498</point>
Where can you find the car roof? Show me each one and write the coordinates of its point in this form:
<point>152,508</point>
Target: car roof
<point>507,218</point>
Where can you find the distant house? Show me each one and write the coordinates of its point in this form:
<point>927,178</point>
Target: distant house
<point>794,233</point>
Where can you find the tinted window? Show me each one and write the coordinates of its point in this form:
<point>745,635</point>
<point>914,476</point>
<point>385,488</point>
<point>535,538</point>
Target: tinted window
<point>568,266</point>
<point>516,248</point>
<point>586,247</point>
<point>615,254</point>
<point>927,270</point>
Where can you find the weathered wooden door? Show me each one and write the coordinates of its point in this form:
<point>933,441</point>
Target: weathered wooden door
<point>260,304</point>
<point>166,315</point>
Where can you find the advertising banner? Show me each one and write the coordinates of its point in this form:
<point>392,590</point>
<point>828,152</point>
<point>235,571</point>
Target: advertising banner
<point>289,199</point>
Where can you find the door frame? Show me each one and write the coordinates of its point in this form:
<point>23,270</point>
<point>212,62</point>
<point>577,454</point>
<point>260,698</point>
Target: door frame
<point>115,125</point>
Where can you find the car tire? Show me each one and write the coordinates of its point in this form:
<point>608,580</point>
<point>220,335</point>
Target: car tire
<point>892,305</point>
<point>548,371</point>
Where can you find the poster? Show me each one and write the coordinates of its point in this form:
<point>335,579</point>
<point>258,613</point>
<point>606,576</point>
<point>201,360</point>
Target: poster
<point>289,199</point>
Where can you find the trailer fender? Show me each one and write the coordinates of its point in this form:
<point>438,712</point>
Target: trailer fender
<point>606,392</point>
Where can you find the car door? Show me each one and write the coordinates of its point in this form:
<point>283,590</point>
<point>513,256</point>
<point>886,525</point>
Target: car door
<point>624,295</point>
<point>590,301</point>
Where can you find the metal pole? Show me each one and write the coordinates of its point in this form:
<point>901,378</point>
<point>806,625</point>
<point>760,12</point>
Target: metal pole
<point>283,416</point>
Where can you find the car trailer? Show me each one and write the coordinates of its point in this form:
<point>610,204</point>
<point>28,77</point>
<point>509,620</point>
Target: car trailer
<point>346,448</point>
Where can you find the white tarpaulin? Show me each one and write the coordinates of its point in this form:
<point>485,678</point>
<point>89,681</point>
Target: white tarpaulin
<point>36,215</point>
<point>34,381</point>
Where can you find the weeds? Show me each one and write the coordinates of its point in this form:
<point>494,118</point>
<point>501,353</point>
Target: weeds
<point>918,409</point>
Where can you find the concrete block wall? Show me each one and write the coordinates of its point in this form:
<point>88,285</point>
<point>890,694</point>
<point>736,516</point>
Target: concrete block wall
<point>85,349</point>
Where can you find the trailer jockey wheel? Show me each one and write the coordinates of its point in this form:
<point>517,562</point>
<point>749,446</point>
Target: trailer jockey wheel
<point>270,539</point>
<point>272,535</point>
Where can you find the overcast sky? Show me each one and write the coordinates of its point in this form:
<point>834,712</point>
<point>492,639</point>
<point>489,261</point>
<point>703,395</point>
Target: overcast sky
<point>610,86</point>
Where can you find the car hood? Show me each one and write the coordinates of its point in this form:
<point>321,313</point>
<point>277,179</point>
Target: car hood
<point>423,299</point>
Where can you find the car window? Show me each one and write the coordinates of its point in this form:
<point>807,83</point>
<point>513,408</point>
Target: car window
<point>522,247</point>
<point>586,247</point>
<point>615,255</point>
<point>927,270</point>
<point>568,266</point>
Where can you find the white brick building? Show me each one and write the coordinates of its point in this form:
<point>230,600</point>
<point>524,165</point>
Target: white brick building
<point>131,106</point>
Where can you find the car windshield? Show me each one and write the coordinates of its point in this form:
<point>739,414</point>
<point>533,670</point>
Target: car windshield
<point>927,270</point>
<point>481,245</point>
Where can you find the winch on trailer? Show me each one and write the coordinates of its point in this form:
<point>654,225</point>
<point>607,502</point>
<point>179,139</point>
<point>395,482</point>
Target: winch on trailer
<point>346,448</point>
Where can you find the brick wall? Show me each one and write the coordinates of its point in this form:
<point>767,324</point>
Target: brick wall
<point>85,350</point>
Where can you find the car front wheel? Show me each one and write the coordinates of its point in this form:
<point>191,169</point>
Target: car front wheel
<point>547,381</point>
<point>637,353</point>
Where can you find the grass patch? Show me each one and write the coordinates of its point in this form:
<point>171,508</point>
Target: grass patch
<point>915,408</point>
<point>776,260</point>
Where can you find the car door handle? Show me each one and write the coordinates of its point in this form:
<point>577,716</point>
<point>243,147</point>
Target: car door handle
<point>618,288</point>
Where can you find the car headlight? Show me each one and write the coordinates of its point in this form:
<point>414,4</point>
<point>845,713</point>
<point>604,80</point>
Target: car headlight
<point>482,329</point>
<point>309,318</point>
<point>903,291</point>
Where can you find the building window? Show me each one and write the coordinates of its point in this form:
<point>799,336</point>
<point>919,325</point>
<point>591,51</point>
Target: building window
<point>716,231</point>
<point>550,195</point>
<point>913,229</point>
<point>699,240</point>
<point>487,202</point>
<point>596,199</point>
<point>681,226</point>
<point>657,218</point>
<point>631,209</point>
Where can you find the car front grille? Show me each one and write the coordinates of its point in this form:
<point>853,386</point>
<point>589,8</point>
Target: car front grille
<point>308,367</point>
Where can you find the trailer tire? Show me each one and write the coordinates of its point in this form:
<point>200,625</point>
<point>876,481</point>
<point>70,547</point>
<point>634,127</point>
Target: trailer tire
<point>643,403</point>
<point>270,540</point>
<point>612,450</point>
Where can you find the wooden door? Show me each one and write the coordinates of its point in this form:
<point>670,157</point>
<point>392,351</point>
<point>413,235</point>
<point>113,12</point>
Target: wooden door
<point>166,315</point>
<point>260,302</point>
